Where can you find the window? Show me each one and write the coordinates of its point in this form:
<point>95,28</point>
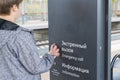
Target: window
<point>34,12</point>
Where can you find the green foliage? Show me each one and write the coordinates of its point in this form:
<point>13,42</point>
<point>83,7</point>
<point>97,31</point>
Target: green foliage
<point>114,0</point>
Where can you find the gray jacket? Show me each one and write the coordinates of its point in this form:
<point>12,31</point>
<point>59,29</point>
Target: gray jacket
<point>19,58</point>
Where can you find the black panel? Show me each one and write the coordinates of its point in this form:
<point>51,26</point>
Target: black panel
<point>77,28</point>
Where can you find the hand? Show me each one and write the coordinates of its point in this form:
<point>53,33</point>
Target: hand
<point>54,50</point>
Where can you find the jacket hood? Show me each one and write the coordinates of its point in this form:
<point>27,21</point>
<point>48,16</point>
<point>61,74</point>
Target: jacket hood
<point>7,30</point>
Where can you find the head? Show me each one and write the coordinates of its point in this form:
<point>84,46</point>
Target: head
<point>10,8</point>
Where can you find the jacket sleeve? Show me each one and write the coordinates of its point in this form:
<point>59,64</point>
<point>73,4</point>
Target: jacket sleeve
<point>28,56</point>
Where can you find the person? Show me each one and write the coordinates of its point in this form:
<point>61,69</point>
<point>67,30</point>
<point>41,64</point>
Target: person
<point>19,58</point>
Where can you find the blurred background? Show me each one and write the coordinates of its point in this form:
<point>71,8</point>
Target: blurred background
<point>35,16</point>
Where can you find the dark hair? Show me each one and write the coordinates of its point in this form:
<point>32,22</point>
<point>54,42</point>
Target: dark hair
<point>5,6</point>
